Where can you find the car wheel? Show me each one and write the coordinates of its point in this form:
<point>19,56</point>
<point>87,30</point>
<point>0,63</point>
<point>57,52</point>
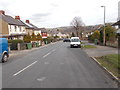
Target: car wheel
<point>4,58</point>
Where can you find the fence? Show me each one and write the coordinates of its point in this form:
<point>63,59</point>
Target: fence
<point>112,44</point>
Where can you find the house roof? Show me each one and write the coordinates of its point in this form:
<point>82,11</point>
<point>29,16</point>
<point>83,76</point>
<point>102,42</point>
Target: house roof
<point>117,23</point>
<point>10,20</point>
<point>31,26</point>
<point>43,30</point>
<point>93,28</point>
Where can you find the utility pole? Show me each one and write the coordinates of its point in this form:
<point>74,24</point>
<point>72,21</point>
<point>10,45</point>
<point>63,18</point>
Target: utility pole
<point>104,36</point>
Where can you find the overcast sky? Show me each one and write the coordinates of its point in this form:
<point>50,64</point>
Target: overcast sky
<point>56,13</point>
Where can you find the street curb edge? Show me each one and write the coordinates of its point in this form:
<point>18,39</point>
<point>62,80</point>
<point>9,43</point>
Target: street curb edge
<point>110,73</point>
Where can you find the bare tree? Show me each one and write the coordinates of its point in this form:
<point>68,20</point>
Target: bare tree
<point>78,25</point>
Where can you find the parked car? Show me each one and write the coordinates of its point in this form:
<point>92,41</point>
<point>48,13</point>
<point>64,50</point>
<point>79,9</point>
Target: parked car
<point>4,52</point>
<point>66,40</point>
<point>75,42</point>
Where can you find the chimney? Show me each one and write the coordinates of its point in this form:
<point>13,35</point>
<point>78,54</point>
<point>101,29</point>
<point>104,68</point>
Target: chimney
<point>17,17</point>
<point>2,12</point>
<point>27,21</point>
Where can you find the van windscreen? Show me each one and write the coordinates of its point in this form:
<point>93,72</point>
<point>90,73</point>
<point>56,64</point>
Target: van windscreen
<point>75,40</point>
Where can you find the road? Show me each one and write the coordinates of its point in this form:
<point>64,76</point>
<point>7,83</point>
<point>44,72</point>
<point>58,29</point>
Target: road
<point>55,66</point>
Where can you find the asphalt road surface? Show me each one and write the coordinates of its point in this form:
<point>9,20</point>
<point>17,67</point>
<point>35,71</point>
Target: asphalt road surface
<point>55,66</point>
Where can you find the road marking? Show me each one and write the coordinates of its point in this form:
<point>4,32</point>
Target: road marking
<point>41,79</point>
<point>25,68</point>
<point>62,63</point>
<point>53,50</point>
<point>47,63</point>
<point>46,55</point>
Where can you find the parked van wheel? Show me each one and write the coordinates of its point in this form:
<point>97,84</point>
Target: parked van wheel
<point>4,58</point>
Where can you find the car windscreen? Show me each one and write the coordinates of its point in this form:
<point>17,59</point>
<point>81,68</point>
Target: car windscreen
<point>75,40</point>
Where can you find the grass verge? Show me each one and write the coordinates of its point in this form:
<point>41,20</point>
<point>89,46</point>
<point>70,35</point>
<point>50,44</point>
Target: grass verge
<point>110,62</point>
<point>88,46</point>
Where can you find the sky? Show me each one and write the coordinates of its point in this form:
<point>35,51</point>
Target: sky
<point>58,13</point>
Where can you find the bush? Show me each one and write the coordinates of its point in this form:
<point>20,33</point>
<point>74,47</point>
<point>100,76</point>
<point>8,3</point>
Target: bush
<point>13,45</point>
<point>39,37</point>
<point>109,33</point>
<point>27,38</point>
<point>33,37</point>
<point>15,41</point>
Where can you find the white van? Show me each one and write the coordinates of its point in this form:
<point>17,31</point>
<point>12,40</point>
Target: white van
<point>75,42</point>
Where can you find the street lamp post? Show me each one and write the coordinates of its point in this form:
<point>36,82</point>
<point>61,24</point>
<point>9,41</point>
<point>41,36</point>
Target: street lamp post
<point>104,40</point>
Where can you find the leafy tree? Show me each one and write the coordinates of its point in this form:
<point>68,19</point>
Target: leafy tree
<point>109,33</point>
<point>96,34</point>
<point>39,37</point>
<point>33,37</point>
<point>27,38</point>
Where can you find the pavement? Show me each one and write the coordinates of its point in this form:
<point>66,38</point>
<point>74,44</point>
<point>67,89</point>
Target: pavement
<point>100,50</point>
<point>54,66</point>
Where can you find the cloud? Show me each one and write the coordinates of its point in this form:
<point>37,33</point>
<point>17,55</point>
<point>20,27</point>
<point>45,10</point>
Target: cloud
<point>41,14</point>
<point>40,17</point>
<point>54,5</point>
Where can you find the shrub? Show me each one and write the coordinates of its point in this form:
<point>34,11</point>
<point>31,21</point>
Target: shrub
<point>27,38</point>
<point>33,37</point>
<point>15,41</point>
<point>13,45</point>
<point>39,37</point>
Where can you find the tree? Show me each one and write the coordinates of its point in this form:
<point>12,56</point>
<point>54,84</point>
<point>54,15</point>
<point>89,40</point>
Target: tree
<point>77,25</point>
<point>109,33</point>
<point>27,38</point>
<point>33,37</point>
<point>73,35</point>
<point>96,35</point>
<point>39,37</point>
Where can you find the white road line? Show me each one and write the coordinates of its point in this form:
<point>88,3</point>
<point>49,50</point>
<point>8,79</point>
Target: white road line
<point>53,50</point>
<point>41,79</point>
<point>47,63</point>
<point>46,55</point>
<point>25,68</point>
<point>49,53</point>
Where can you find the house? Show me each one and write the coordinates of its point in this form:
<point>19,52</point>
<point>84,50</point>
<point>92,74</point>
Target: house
<point>117,24</point>
<point>29,28</point>
<point>89,30</point>
<point>32,28</point>
<point>62,35</point>
<point>10,27</point>
<point>44,32</point>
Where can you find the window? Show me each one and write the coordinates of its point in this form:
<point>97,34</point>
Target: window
<point>20,28</point>
<point>15,28</point>
<point>75,40</point>
<point>10,27</point>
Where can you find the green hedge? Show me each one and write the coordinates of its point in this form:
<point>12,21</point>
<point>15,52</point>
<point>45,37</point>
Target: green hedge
<point>13,45</point>
<point>15,41</point>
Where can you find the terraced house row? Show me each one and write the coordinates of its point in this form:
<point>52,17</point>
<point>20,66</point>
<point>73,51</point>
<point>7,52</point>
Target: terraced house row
<point>14,28</point>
